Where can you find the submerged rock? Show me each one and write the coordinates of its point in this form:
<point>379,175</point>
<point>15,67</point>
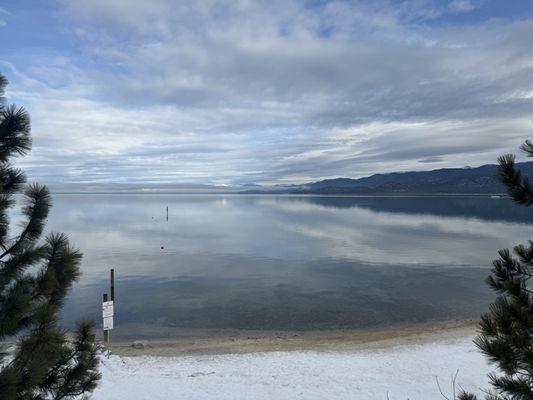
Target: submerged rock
<point>140,344</point>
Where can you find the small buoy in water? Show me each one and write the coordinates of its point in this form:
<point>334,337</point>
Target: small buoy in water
<point>162,247</point>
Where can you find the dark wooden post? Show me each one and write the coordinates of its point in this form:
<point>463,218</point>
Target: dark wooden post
<point>106,332</point>
<point>112,284</point>
<point>167,213</point>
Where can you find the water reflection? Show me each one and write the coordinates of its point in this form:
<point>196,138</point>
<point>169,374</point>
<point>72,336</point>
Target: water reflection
<point>269,262</point>
<point>481,207</point>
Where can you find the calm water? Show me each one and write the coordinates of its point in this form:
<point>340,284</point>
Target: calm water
<point>284,263</point>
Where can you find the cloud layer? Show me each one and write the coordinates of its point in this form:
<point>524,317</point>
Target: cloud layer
<point>278,91</point>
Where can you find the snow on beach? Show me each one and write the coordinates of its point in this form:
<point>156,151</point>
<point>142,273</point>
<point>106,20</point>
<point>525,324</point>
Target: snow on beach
<point>405,371</point>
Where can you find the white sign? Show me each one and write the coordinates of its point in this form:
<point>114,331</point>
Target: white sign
<point>107,309</point>
<point>107,314</point>
<point>108,323</point>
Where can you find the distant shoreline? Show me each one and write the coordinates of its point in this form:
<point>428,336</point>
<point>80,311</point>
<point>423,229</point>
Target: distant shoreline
<point>202,342</point>
<point>281,194</point>
<point>482,180</point>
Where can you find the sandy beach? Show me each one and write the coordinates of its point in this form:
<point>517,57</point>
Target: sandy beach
<point>209,342</point>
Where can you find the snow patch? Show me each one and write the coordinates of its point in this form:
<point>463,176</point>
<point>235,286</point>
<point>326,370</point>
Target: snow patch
<point>402,372</point>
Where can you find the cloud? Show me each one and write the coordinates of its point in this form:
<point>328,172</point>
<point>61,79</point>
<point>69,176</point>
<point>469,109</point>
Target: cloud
<point>4,12</point>
<point>462,6</point>
<point>276,91</point>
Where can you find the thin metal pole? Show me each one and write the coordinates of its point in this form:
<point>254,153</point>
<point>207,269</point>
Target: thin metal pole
<point>106,332</point>
<point>167,213</point>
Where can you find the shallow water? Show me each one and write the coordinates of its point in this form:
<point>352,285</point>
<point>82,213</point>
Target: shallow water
<point>285,263</point>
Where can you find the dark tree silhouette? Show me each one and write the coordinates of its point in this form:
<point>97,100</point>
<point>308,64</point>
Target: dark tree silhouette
<point>35,276</point>
<point>506,330</point>
<point>518,187</point>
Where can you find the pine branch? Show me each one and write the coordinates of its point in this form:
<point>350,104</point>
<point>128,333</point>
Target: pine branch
<point>17,307</point>
<point>518,188</point>
<point>61,271</point>
<point>15,139</point>
<point>37,205</point>
<point>527,148</point>
<point>11,179</point>
<point>507,329</point>
<point>466,396</point>
<point>70,378</point>
<point>16,265</point>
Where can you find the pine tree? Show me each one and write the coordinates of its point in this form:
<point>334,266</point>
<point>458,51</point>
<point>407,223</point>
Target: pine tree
<point>35,276</point>
<point>506,331</point>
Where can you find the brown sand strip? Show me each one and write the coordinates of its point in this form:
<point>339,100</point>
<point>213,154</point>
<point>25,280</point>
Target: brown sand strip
<point>194,342</point>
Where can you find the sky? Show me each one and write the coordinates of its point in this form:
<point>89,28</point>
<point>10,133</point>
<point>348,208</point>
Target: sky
<point>268,92</point>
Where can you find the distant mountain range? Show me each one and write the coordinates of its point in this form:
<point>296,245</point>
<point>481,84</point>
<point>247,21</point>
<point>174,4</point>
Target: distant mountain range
<point>480,180</point>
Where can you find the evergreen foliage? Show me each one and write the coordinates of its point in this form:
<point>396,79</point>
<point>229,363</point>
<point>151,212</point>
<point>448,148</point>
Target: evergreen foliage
<point>35,277</point>
<point>518,187</point>
<point>506,330</point>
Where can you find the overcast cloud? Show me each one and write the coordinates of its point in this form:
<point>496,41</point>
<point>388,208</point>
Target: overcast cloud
<point>229,92</point>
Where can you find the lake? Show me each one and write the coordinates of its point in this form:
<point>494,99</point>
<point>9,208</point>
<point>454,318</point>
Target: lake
<point>284,262</point>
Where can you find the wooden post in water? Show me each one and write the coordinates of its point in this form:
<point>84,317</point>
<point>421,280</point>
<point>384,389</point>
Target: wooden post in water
<point>106,332</point>
<point>112,284</point>
<point>167,213</point>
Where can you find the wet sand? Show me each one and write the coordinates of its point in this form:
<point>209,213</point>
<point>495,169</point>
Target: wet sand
<point>199,342</point>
